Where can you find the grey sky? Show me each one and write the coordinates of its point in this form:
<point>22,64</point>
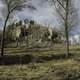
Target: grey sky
<point>44,14</point>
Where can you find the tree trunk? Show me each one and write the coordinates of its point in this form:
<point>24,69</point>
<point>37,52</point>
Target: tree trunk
<point>67,40</point>
<point>17,44</point>
<point>3,36</point>
<point>66,28</point>
<point>27,41</point>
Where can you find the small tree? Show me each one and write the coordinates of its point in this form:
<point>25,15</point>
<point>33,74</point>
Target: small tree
<point>68,16</point>
<point>46,36</point>
<point>9,32</point>
<point>11,6</point>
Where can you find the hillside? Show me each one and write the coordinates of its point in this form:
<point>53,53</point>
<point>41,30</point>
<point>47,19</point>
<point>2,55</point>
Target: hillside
<point>31,35</point>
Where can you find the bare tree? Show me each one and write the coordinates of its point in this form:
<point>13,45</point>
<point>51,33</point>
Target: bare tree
<point>11,6</point>
<point>68,15</point>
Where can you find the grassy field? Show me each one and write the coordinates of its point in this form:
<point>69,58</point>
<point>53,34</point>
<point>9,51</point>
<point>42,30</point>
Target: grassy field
<point>44,64</point>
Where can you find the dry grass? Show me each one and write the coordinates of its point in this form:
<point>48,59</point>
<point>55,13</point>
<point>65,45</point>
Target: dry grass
<point>54,69</point>
<point>51,70</point>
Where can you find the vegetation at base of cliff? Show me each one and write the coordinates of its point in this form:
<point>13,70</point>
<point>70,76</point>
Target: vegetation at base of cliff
<point>41,66</point>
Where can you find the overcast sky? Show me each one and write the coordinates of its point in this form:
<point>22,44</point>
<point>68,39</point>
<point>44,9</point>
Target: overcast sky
<point>44,13</point>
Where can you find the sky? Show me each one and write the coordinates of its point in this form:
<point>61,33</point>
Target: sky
<point>44,14</point>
